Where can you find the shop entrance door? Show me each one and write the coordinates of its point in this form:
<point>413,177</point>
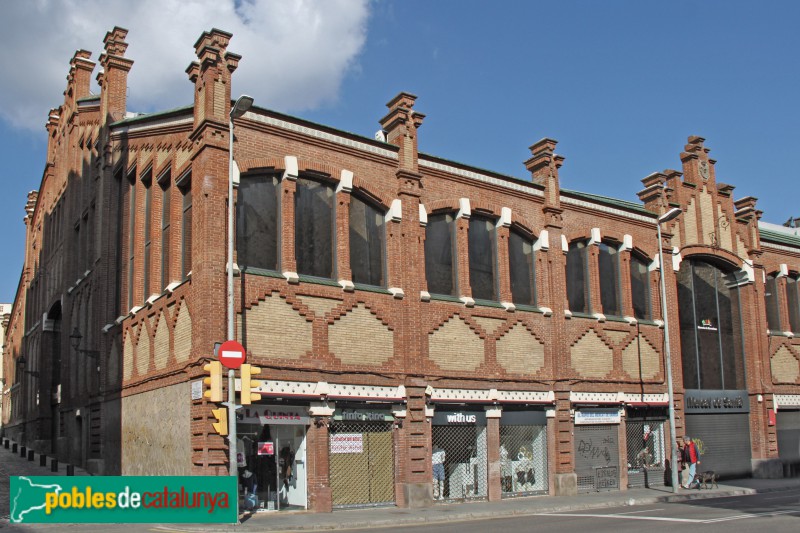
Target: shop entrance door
<point>290,443</point>
<point>597,457</point>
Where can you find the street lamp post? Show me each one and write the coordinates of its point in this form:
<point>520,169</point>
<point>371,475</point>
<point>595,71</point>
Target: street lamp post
<point>241,106</point>
<point>666,217</point>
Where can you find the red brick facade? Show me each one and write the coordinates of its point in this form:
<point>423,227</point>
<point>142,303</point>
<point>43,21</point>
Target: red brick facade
<point>312,334</point>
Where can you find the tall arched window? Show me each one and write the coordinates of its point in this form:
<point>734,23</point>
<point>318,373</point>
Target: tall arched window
<point>608,265</point>
<point>314,228</point>
<point>257,219</point>
<point>793,299</point>
<point>578,277</point>
<point>772,303</point>
<point>440,254</point>
<point>640,288</point>
<point>367,243</point>
<point>482,258</point>
<point>712,346</point>
<point>522,270</point>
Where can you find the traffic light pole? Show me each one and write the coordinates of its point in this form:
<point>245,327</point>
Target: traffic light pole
<point>234,470</point>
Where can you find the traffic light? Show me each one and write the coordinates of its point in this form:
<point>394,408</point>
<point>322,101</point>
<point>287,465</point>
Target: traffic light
<point>214,381</point>
<point>221,425</point>
<point>249,384</point>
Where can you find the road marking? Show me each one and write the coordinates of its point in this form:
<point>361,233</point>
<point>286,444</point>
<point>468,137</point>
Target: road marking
<point>642,511</point>
<point>752,515</point>
<point>628,517</point>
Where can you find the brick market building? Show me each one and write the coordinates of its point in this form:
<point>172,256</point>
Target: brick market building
<point>428,330</point>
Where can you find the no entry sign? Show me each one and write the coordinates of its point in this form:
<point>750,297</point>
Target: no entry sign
<point>231,354</point>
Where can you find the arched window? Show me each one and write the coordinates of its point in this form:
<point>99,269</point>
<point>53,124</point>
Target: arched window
<point>257,219</point>
<point>367,243</point>
<point>640,288</point>
<point>772,303</point>
<point>578,277</point>
<point>482,258</point>
<point>608,266</point>
<point>793,299</point>
<point>314,228</point>
<point>709,308</point>
<point>440,253</point>
<point>521,265</point>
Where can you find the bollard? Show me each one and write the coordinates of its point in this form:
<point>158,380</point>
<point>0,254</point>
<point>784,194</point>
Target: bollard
<point>6,443</point>
<point>22,451</point>
<point>43,461</point>
<point>70,470</point>
<point>14,448</point>
<point>54,465</point>
<point>31,453</point>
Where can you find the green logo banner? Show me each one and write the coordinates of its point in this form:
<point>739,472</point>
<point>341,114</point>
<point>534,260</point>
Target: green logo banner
<point>121,499</point>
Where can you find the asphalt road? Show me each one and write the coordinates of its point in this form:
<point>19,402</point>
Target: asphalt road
<point>773,512</point>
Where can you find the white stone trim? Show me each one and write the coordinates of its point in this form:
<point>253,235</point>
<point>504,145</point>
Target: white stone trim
<point>423,216</point>
<point>347,285</point>
<point>150,125</point>
<point>605,209</point>
<point>564,243</point>
<point>291,170</point>
<point>330,137</point>
<point>783,270</point>
<point>345,181</point>
<point>464,210</point>
<point>467,301</point>
<point>508,306</point>
<point>492,395</point>
<point>425,296</point>
<point>291,277</point>
<point>627,243</point>
<point>543,242</point>
<point>677,259</point>
<point>397,292</point>
<point>322,389</point>
<point>595,237</point>
<point>596,397</point>
<point>786,400</point>
<point>780,247</point>
<point>546,311</point>
<point>657,398</point>
<point>493,411</point>
<point>505,217</point>
<point>321,408</point>
<point>631,320</point>
<point>599,316</point>
<point>395,212</point>
<point>236,174</point>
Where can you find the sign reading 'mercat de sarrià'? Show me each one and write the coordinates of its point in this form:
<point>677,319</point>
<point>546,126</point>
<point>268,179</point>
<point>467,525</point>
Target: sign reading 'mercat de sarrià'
<point>716,401</point>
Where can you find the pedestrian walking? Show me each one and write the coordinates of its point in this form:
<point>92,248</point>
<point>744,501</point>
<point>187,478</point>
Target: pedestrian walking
<point>691,459</point>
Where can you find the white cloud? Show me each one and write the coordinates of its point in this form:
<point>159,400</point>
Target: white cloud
<point>295,52</point>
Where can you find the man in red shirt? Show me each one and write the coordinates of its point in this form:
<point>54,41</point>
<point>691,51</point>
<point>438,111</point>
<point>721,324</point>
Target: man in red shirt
<point>691,459</point>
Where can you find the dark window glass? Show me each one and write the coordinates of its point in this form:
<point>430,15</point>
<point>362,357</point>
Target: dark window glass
<point>367,238</point>
<point>313,228</point>
<point>148,198</point>
<point>186,233</point>
<point>608,264</point>
<point>521,268</point>
<point>166,208</point>
<point>482,258</point>
<point>793,299</point>
<point>578,278</point>
<point>131,240</point>
<point>640,289</point>
<point>440,246</point>
<point>257,209</point>
<point>772,304</point>
<point>711,327</point>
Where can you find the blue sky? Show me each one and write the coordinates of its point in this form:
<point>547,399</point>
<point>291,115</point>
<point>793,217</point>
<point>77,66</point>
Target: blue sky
<point>620,84</point>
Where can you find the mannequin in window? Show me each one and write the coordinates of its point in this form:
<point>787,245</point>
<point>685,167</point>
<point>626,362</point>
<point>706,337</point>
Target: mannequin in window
<point>437,460</point>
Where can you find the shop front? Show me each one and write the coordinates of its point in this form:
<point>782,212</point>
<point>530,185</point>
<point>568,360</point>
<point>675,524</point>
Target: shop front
<point>271,454</point>
<point>362,456</point>
<point>459,454</point>
<point>523,452</point>
<point>718,423</point>
<point>645,444</point>
<point>787,422</point>
<point>596,437</point>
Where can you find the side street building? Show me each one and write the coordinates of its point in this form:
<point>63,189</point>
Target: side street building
<point>428,330</point>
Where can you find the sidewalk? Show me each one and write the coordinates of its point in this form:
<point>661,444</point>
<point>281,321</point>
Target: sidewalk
<point>393,516</point>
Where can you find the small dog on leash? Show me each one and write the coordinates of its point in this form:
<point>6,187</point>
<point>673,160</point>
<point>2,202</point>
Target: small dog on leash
<point>706,480</point>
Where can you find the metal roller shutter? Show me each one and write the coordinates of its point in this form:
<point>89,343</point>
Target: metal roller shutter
<point>723,441</point>
<point>789,435</point>
<point>597,457</point>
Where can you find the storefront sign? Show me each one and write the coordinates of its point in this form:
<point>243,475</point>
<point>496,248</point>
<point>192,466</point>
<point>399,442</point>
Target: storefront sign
<point>266,448</point>
<point>716,401</point>
<point>459,418</point>
<point>347,443</point>
<point>274,415</point>
<point>362,415</point>
<point>597,416</point>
